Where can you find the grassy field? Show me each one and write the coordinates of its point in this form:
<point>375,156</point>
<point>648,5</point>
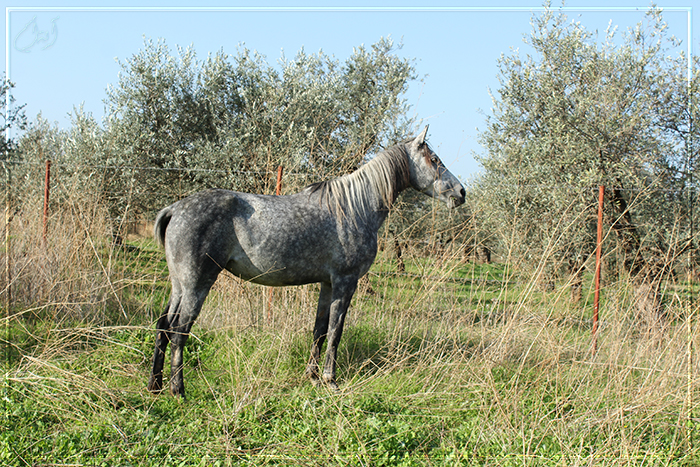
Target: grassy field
<point>449,363</point>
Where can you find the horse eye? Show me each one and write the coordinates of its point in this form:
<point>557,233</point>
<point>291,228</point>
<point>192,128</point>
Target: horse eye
<point>434,159</point>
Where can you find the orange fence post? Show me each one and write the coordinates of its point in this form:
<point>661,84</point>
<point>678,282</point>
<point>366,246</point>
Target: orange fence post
<point>8,264</point>
<point>47,183</point>
<point>596,298</point>
<point>278,190</point>
<point>278,187</point>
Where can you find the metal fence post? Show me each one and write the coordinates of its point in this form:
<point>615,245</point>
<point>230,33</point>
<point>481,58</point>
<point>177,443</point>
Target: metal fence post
<point>278,190</point>
<point>8,218</point>
<point>47,184</point>
<point>596,299</point>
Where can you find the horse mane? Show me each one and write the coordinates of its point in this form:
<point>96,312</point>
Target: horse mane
<point>381,178</point>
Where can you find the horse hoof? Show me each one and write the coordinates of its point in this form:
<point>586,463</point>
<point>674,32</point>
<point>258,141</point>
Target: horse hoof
<point>331,384</point>
<point>178,391</point>
<point>315,382</point>
<point>312,374</point>
<point>155,386</point>
<point>318,382</point>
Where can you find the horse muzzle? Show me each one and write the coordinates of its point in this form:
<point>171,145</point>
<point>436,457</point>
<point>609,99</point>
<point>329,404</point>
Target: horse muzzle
<point>457,199</point>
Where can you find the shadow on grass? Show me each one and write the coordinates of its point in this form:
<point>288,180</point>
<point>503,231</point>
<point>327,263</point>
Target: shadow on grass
<point>366,351</point>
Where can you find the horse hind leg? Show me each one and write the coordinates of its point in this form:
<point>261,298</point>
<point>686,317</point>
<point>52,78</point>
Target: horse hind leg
<point>163,328</point>
<point>190,306</point>
<point>155,382</point>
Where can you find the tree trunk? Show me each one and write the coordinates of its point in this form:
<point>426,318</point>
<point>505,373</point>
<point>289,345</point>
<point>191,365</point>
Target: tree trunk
<point>646,276</point>
<point>483,254</point>
<point>400,266</point>
<point>576,272</point>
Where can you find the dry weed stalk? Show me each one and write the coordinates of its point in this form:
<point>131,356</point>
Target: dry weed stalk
<point>517,357</point>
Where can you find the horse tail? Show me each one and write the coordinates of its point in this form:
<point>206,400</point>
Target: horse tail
<point>161,224</point>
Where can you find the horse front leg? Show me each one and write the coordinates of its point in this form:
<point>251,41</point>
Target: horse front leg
<point>320,331</point>
<point>343,291</point>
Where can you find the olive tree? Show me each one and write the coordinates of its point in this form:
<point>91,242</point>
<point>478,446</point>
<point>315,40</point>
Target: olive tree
<point>578,113</point>
<point>177,124</point>
<point>12,117</point>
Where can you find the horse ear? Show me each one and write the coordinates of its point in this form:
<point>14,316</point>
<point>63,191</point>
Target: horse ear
<point>420,139</point>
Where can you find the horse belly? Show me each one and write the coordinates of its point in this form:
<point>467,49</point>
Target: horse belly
<point>281,262</point>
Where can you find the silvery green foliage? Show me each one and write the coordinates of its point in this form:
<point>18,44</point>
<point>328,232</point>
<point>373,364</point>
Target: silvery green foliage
<point>12,118</point>
<point>582,112</point>
<point>40,142</point>
<point>78,156</point>
<point>230,121</point>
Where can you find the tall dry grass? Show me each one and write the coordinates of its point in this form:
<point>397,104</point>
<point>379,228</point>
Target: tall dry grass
<point>452,340</point>
<point>70,272</point>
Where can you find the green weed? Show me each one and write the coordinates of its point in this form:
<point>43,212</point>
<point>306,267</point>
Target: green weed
<point>445,363</point>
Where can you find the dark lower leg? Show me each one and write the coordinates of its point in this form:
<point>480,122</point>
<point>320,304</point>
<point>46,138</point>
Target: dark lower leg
<point>312,367</point>
<point>320,330</point>
<point>329,365</point>
<point>155,382</point>
<point>342,294</point>
<point>177,381</point>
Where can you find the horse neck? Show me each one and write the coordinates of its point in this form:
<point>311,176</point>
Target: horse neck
<point>366,195</point>
<point>385,176</point>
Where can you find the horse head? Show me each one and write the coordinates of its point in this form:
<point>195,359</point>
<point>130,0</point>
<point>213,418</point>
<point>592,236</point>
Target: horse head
<point>429,175</point>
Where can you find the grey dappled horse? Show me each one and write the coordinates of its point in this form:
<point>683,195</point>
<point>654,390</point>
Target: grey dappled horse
<point>327,233</point>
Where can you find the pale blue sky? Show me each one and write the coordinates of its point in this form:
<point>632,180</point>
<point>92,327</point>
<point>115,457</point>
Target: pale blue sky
<point>63,54</point>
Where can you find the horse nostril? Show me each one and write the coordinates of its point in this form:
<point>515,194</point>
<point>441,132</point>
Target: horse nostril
<point>463,193</point>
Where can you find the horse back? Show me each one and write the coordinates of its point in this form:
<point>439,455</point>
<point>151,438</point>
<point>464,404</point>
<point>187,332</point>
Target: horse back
<point>271,240</point>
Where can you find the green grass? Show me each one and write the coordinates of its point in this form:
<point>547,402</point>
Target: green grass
<point>445,364</point>
<point>89,407</point>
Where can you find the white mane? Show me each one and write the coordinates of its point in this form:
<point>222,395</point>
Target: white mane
<point>378,181</point>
